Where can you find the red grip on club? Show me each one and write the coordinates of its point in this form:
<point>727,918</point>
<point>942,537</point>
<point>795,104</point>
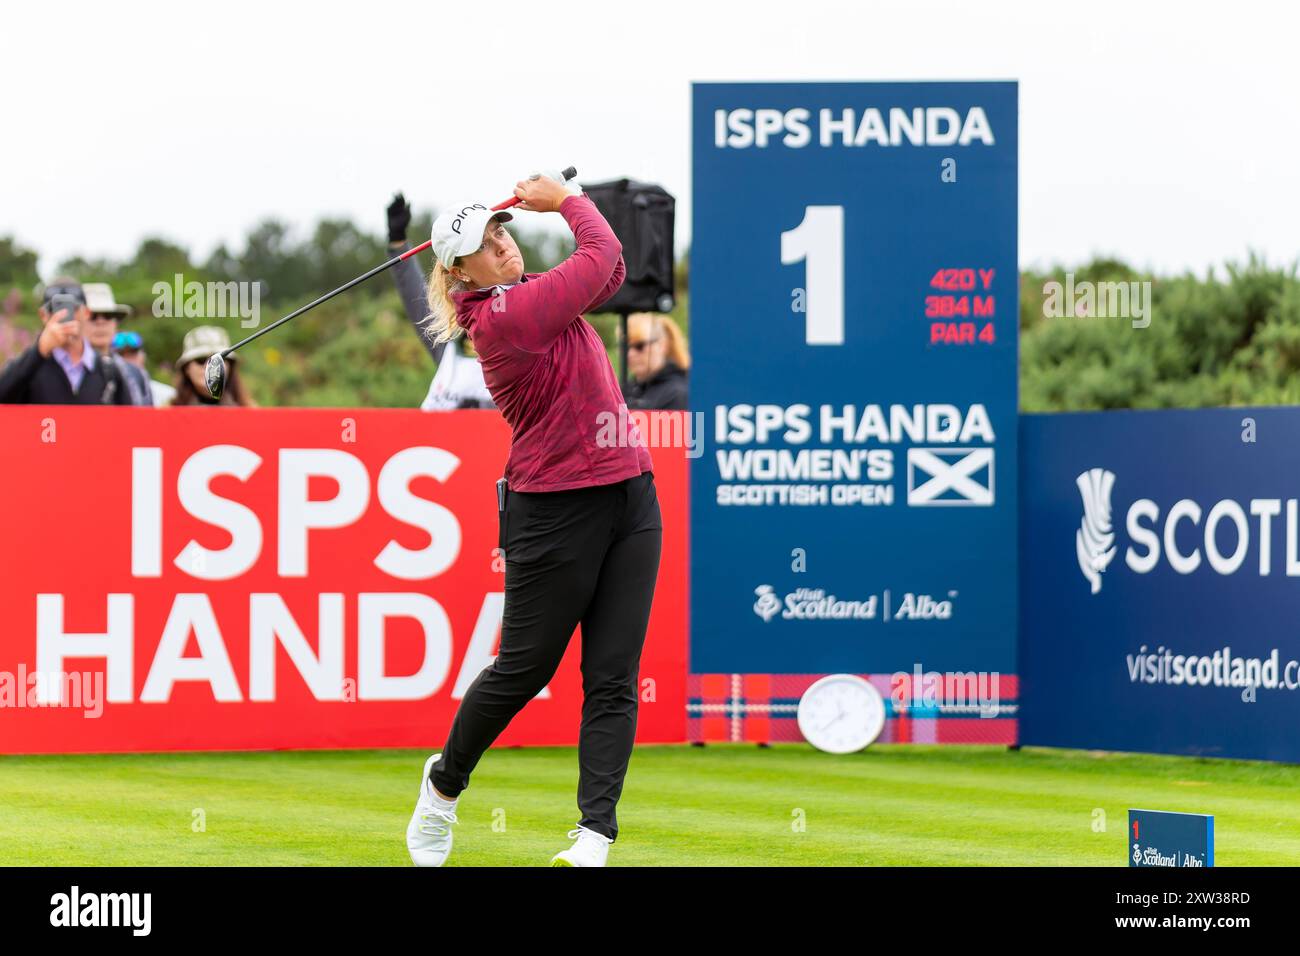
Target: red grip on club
<point>568,174</point>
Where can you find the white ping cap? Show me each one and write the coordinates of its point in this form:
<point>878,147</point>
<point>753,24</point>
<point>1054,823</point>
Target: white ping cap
<point>459,230</point>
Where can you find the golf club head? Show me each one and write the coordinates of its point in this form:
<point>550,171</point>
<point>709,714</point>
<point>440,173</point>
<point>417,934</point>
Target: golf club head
<point>214,374</point>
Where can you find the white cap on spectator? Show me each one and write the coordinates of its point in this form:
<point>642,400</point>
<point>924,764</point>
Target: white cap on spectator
<point>99,299</point>
<point>203,342</point>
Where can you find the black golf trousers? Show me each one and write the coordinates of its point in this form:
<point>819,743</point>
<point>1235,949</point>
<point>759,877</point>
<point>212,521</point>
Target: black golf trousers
<point>589,556</point>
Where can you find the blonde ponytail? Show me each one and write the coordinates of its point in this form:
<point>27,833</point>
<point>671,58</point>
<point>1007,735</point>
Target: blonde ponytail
<point>441,325</point>
<point>678,353</point>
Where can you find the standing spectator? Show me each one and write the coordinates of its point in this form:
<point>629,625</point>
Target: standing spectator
<point>62,368</point>
<point>657,362</point>
<point>458,383</point>
<point>200,344</point>
<point>105,314</point>
<point>130,348</point>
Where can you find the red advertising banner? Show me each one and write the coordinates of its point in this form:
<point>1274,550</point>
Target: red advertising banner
<point>232,579</point>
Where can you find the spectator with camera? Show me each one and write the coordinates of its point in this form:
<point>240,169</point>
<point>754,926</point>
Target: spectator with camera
<point>62,367</point>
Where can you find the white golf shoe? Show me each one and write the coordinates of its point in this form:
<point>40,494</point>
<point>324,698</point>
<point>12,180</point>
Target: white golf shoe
<point>428,835</point>
<point>589,849</point>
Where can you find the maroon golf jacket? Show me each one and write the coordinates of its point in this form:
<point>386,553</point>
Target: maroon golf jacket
<point>547,368</point>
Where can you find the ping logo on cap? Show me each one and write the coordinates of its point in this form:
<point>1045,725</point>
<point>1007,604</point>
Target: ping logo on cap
<point>460,216</point>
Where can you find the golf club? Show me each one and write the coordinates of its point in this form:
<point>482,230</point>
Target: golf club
<point>214,373</point>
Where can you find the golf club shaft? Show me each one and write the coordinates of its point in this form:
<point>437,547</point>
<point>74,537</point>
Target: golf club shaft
<point>325,298</point>
<point>568,174</point>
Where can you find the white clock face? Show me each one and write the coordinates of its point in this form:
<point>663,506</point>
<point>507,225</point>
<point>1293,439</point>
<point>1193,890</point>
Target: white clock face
<point>841,714</point>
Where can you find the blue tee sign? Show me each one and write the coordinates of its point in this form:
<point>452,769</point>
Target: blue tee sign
<point>854,318</point>
<point>1162,838</point>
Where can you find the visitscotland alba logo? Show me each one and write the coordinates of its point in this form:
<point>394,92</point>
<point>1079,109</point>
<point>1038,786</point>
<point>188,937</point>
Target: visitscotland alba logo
<point>814,604</point>
<point>1095,540</point>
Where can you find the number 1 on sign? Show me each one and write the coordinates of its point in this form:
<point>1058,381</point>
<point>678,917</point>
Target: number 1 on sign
<point>819,241</point>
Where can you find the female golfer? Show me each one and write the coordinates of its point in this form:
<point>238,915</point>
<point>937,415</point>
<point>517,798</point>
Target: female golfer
<point>580,523</point>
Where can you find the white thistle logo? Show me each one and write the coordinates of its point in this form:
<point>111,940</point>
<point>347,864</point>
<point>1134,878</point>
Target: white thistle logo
<point>767,604</point>
<point>1095,541</point>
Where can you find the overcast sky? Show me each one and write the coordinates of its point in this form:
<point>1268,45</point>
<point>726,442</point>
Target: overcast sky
<point>1162,133</point>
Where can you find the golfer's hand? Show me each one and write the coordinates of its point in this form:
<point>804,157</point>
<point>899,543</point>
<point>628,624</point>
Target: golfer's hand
<point>56,334</point>
<point>542,193</point>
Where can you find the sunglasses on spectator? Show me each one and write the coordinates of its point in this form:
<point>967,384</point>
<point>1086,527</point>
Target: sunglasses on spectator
<point>644,343</point>
<point>102,317</point>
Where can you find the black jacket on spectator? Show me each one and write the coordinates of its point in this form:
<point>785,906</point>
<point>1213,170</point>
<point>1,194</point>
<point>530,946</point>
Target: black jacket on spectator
<point>33,379</point>
<point>666,389</point>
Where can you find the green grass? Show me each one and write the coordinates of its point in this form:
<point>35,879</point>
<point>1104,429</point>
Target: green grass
<point>899,805</point>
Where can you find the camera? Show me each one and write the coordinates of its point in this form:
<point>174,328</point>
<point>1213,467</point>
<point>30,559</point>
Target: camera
<point>63,300</point>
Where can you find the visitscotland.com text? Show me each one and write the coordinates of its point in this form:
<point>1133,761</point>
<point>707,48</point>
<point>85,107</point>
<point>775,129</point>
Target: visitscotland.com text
<point>1220,669</point>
